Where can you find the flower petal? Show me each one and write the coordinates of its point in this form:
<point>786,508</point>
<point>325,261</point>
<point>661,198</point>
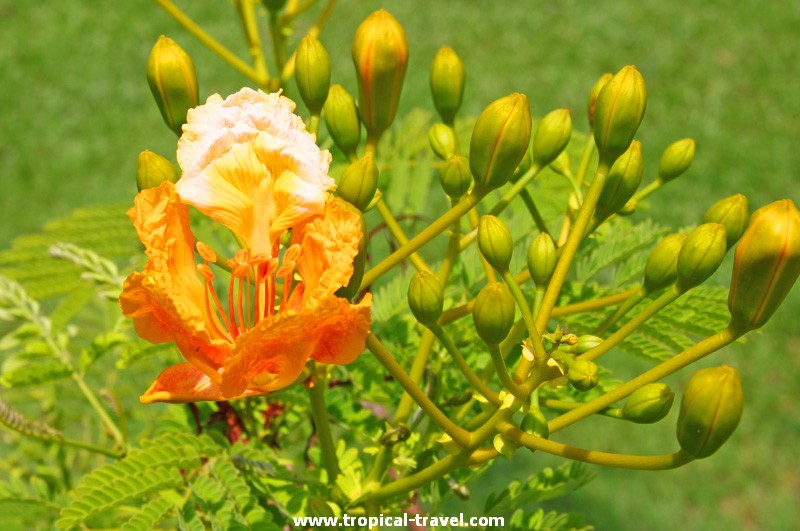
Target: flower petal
<point>166,300</point>
<point>343,328</point>
<point>181,383</point>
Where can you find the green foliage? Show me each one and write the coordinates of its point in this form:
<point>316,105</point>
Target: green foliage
<point>548,484</point>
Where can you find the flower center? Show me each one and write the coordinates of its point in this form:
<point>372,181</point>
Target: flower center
<point>257,285</point>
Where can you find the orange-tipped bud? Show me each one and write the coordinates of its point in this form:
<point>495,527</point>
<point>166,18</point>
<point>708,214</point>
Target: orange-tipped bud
<point>701,255</point>
<point>766,265</point>
<point>711,407</point>
<point>552,136</point>
<point>732,213</point>
<point>380,55</point>
<point>173,82</point>
<point>499,140</point>
<point>153,169</point>
<point>312,73</point>
<point>618,113</point>
<point>447,83</point>
<point>341,119</point>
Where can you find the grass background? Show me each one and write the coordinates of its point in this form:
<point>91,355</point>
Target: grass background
<point>76,110</point>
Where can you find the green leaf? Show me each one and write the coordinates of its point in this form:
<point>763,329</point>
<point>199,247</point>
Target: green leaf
<point>548,484</point>
<point>151,514</point>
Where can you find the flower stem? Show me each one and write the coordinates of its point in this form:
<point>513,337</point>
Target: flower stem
<point>210,42</point>
<point>250,25</point>
<point>619,313</point>
<point>397,231</point>
<point>688,356</point>
<point>635,462</point>
<point>464,367</point>
<point>316,394</point>
<point>288,68</point>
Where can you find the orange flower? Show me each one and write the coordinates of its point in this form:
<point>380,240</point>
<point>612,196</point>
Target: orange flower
<point>281,308</point>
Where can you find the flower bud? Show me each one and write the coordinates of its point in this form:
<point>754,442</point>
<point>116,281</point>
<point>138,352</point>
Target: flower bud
<point>596,88</point>
<point>499,140</point>
<point>701,254</point>
<point>358,182</point>
<point>711,407</point>
<point>542,259</point>
<point>495,243</point>
<point>552,136</point>
<point>676,159</point>
<point>173,81</point>
<point>443,140</point>
<point>585,343</point>
<point>732,213</point>
<point>312,72</point>
<point>341,119</point>
<point>618,113</point>
<point>650,403</point>
<point>359,262</point>
<point>661,269</point>
<point>493,313</point>
<point>766,265</point>
<point>562,164</point>
<point>622,182</point>
<point>153,170</point>
<point>455,177</point>
<point>274,5</point>
<point>583,374</point>
<point>447,83</point>
<point>426,298</point>
<point>380,55</point>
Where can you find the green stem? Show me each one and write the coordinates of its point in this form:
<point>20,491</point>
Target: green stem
<point>535,338</point>
<point>250,24</point>
<point>288,68</point>
<point>458,434</point>
<point>571,247</point>
<point>631,326</point>
<point>397,231</point>
<point>594,304</point>
<point>527,198</point>
<point>211,43</point>
<point>619,313</point>
<point>313,124</point>
<point>278,42</point>
<point>502,371</point>
<point>688,356</point>
<point>427,234</point>
<point>319,412</point>
<point>647,190</point>
<point>464,367</point>
<point>634,462</point>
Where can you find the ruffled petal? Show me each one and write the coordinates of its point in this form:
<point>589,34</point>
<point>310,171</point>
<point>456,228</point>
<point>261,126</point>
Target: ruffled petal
<point>166,300</point>
<point>184,383</point>
<point>330,244</point>
<point>343,329</point>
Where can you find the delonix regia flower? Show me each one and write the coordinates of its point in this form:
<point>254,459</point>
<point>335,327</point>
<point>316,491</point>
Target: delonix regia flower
<point>249,164</point>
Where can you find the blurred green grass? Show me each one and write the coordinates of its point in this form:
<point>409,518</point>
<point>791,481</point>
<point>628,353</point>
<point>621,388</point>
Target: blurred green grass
<point>76,111</point>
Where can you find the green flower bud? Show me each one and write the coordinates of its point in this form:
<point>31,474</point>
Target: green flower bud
<point>552,136</point>
<point>676,159</point>
<point>629,208</point>
<point>499,140</point>
<point>173,82</point>
<point>447,83</point>
<point>495,243</point>
<point>661,269</point>
<point>701,254</point>
<point>732,213</point>
<point>622,182</point>
<point>153,170</point>
<point>359,262</point>
<point>358,182</point>
<point>312,72</point>
<point>525,164</point>
<point>493,313</point>
<point>585,343</point>
<point>766,265</point>
<point>535,422</point>
<point>426,298</point>
<point>542,259</point>
<point>562,164</point>
<point>455,177</point>
<point>274,5</point>
<point>341,119</point>
<point>711,407</point>
<point>618,113</point>
<point>650,403</point>
<point>596,88</point>
<point>380,55</point>
<point>583,374</point>
<point>443,140</point>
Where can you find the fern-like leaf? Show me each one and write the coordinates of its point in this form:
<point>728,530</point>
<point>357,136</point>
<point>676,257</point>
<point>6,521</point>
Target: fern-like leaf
<point>151,514</point>
<point>101,271</point>
<point>32,428</point>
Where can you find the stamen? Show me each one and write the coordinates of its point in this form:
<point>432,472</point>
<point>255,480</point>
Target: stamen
<point>205,252</point>
<point>286,271</point>
<point>208,276</point>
